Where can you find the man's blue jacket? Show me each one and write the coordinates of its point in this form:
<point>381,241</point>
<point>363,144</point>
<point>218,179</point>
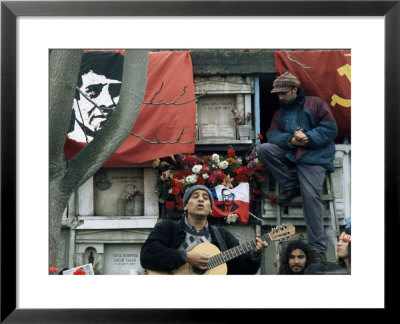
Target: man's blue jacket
<point>314,116</point>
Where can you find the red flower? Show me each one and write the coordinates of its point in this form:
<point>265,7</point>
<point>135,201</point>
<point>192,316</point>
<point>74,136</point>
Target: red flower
<point>191,160</point>
<point>260,178</point>
<point>205,169</point>
<point>242,174</point>
<point>260,167</point>
<point>216,175</point>
<point>271,199</point>
<point>79,272</point>
<point>250,172</point>
<point>174,181</point>
<point>231,152</point>
<point>200,181</point>
<point>221,175</point>
<point>178,175</point>
<point>176,189</point>
<point>179,203</point>
<point>242,177</point>
<point>260,136</point>
<point>170,205</point>
<point>53,269</point>
<point>239,169</point>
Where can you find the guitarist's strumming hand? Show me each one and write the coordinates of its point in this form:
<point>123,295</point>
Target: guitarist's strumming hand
<point>197,259</point>
<point>261,245</point>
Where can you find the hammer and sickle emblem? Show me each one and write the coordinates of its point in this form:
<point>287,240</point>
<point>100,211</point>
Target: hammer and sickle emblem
<point>343,70</point>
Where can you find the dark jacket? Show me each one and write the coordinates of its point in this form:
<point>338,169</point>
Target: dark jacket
<point>160,251</point>
<point>314,116</point>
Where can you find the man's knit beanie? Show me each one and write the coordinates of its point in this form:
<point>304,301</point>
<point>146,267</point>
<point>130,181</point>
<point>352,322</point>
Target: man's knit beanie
<point>189,192</point>
<point>285,82</point>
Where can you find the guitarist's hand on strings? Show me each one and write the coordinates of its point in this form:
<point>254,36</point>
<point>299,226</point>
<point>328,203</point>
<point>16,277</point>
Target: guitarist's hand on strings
<point>197,259</point>
<point>261,245</point>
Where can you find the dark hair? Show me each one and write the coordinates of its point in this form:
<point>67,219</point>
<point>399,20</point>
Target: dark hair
<point>301,245</point>
<point>230,193</point>
<point>341,262</point>
<point>324,268</point>
<point>109,64</point>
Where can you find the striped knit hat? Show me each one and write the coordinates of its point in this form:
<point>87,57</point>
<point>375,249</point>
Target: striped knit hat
<point>285,82</point>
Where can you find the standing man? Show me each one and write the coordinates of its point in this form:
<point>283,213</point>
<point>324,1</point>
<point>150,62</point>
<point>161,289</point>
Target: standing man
<point>301,138</point>
<point>296,258</point>
<point>170,244</point>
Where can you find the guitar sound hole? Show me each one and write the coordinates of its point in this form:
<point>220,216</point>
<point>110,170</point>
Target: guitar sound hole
<point>198,271</point>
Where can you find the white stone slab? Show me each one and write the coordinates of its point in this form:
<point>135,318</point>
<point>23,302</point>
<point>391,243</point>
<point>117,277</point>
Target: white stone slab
<point>114,189</point>
<point>122,259</point>
<point>133,222</point>
<point>215,118</point>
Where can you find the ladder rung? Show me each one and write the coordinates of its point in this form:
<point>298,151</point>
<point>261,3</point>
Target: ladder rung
<point>297,200</point>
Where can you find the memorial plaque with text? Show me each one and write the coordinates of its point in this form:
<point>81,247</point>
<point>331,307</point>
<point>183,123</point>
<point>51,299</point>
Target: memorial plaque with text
<point>215,117</point>
<point>119,192</point>
<point>122,259</point>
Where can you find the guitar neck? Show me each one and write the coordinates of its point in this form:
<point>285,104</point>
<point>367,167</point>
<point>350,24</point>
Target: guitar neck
<point>234,252</point>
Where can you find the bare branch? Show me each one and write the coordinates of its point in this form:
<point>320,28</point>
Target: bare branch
<point>302,65</point>
<point>181,95</point>
<point>175,101</point>
<point>162,142</point>
<point>157,92</point>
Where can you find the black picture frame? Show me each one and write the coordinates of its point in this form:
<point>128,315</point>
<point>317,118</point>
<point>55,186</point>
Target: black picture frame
<point>10,10</point>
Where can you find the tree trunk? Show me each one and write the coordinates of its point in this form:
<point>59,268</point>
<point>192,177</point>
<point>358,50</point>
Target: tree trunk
<point>65,176</point>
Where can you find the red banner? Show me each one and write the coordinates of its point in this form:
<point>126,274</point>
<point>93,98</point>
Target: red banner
<point>166,124</point>
<point>323,73</point>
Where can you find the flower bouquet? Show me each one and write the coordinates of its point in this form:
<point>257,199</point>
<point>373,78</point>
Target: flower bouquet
<point>178,173</point>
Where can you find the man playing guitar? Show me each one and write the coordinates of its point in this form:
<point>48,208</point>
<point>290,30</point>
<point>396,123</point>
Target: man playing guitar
<point>173,247</point>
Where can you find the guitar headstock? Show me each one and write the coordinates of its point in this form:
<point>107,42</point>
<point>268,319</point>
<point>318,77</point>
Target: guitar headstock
<point>281,232</point>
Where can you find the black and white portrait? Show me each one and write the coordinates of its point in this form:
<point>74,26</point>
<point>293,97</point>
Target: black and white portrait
<point>99,84</point>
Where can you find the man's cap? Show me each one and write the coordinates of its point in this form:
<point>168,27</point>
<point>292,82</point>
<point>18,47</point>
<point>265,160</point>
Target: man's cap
<point>192,189</point>
<point>285,82</point>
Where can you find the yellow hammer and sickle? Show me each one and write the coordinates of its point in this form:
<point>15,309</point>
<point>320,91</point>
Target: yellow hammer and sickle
<point>343,70</point>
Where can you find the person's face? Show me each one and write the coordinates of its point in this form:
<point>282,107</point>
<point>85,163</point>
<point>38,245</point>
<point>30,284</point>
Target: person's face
<point>103,94</point>
<point>227,197</point>
<point>297,261</point>
<point>199,203</point>
<point>342,249</point>
<point>288,96</point>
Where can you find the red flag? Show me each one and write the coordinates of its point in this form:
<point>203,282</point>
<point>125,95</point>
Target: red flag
<point>326,74</point>
<point>166,124</point>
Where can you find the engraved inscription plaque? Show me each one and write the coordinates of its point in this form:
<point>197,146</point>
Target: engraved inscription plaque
<point>124,194</point>
<point>215,117</point>
<point>122,259</point>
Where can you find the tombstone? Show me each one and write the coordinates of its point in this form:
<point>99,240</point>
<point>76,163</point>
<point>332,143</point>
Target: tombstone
<point>215,117</point>
<point>224,109</point>
<point>119,192</point>
<point>122,259</point>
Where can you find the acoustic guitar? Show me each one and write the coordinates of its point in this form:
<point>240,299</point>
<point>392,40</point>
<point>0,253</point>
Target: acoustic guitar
<point>217,263</point>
